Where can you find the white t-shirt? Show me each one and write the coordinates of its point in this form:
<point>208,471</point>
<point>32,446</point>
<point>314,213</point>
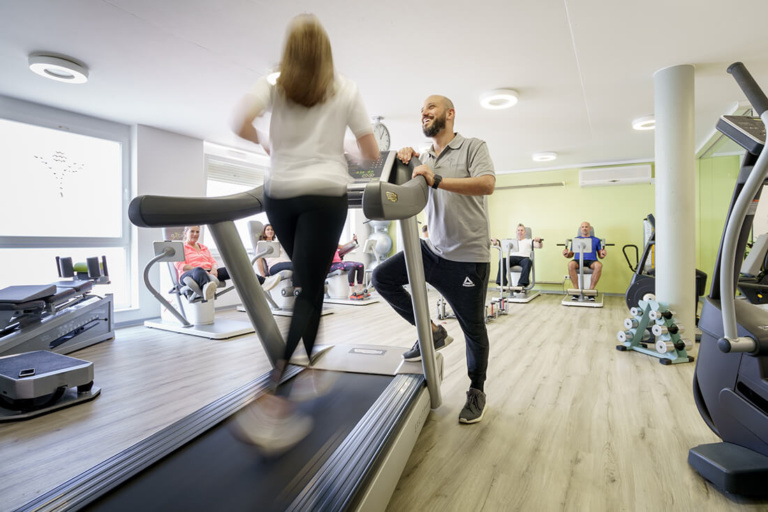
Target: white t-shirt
<point>307,143</point>
<point>525,247</point>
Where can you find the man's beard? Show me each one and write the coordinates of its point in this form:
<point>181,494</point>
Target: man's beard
<point>437,124</point>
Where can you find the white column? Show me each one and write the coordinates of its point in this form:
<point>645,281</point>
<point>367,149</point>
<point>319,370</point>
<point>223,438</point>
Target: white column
<point>676,194</point>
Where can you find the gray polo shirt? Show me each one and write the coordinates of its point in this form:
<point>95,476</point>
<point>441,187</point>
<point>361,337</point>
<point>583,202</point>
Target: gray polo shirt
<point>458,224</point>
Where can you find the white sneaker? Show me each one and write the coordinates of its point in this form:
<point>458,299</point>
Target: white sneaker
<point>272,434</point>
<point>209,290</point>
<point>192,285</point>
<point>270,282</point>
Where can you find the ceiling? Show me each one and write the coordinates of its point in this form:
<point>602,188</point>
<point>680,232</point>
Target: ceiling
<point>583,68</point>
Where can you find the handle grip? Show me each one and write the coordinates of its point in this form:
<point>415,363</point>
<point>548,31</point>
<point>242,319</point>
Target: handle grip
<point>754,93</point>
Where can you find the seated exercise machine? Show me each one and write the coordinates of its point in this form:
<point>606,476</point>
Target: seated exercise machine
<point>369,247</point>
<point>730,385</point>
<point>582,296</point>
<point>186,317</point>
<point>282,296</point>
<point>337,283</point>
<point>518,294</point>
<point>364,429</point>
<point>61,317</point>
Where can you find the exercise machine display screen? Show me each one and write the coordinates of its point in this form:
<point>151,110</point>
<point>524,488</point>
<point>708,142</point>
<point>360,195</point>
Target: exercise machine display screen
<point>373,171</point>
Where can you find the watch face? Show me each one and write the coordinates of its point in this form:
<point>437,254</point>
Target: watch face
<point>381,134</point>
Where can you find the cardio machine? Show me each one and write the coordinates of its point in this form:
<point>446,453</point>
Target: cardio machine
<point>643,283</point>
<point>730,385</point>
<point>195,319</point>
<point>364,430</point>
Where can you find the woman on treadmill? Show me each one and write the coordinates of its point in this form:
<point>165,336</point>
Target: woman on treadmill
<point>305,194</point>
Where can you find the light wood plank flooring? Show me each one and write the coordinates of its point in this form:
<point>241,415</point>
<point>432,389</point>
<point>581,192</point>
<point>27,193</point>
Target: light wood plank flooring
<point>572,423</point>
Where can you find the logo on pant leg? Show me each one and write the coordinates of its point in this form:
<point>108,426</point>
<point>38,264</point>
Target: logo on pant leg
<point>468,283</point>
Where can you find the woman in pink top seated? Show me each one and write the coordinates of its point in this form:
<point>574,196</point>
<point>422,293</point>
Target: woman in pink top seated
<point>199,271</point>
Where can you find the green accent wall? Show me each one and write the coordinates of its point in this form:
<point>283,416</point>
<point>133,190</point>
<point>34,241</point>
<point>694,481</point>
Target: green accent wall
<point>616,212</point>
<point>555,213</point>
<point>716,178</point>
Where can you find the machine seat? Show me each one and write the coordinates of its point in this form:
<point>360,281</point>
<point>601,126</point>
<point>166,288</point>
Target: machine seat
<point>26,293</point>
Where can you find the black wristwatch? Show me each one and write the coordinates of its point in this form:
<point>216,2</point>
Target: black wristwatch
<point>436,179</point>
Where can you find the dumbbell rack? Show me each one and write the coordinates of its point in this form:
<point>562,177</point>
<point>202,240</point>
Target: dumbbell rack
<point>653,320</point>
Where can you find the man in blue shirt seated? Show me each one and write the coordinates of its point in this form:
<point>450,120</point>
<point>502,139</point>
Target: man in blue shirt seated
<point>590,258</point>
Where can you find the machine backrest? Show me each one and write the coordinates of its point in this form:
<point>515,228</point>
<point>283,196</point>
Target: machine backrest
<point>254,230</point>
<point>265,249</point>
<point>173,234</point>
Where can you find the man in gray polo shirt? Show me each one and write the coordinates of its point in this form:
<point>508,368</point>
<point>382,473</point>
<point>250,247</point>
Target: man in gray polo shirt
<point>457,255</point>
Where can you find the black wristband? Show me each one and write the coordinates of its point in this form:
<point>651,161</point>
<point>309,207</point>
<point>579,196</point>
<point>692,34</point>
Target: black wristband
<point>436,179</point>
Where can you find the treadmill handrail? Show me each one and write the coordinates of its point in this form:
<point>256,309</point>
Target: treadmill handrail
<point>165,211</point>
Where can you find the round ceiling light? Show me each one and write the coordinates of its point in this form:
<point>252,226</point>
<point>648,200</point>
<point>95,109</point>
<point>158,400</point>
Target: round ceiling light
<point>644,123</point>
<point>498,99</point>
<point>57,68</point>
<point>546,156</point>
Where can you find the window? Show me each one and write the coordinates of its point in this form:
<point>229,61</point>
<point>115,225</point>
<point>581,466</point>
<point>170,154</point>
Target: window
<point>64,182</point>
<point>230,172</point>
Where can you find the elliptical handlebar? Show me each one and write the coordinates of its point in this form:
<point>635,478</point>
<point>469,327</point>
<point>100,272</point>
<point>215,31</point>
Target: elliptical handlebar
<point>731,342</point>
<point>749,86</point>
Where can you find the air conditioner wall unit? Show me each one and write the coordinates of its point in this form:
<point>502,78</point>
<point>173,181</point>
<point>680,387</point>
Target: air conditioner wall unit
<point>608,176</point>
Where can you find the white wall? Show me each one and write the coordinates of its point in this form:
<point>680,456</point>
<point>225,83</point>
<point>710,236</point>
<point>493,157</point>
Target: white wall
<point>163,163</point>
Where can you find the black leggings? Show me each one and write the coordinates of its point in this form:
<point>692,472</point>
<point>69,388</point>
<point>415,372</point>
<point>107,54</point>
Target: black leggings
<point>352,267</point>
<point>309,228</point>
<point>201,276</point>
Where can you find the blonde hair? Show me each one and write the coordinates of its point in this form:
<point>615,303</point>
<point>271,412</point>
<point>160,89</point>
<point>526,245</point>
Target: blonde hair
<point>306,71</point>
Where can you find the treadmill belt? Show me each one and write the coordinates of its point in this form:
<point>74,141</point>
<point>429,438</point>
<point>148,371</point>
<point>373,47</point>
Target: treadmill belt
<point>215,471</point>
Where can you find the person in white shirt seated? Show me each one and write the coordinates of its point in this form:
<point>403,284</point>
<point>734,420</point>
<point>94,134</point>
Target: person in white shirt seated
<point>522,257</point>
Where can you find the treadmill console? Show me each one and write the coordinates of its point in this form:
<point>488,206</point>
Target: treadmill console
<point>746,131</point>
<point>378,170</point>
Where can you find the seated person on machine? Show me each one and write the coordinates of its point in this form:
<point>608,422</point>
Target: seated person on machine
<point>199,273</point>
<point>521,258</point>
<point>356,292</point>
<point>590,259</point>
<point>272,266</point>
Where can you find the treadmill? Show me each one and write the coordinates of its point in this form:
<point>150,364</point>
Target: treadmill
<point>364,429</point>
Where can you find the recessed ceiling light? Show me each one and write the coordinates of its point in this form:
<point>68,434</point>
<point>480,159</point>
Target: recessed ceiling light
<point>546,156</point>
<point>272,77</point>
<point>498,99</point>
<point>644,123</point>
<point>57,68</point>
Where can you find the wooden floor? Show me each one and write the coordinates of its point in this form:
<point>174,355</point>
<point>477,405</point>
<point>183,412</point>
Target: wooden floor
<point>572,424</point>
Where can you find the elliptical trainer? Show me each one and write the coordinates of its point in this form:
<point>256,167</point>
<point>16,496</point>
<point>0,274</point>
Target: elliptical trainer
<point>729,384</point>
